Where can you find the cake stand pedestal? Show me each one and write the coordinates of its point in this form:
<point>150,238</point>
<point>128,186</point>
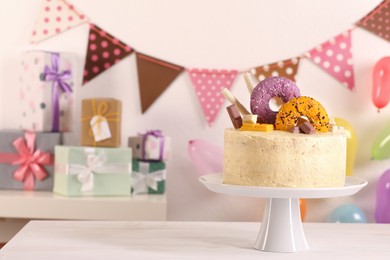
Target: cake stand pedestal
<point>281,229</point>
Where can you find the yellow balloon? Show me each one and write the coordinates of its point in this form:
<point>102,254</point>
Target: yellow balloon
<point>352,143</point>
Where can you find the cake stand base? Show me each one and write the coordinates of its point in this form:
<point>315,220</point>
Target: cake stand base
<point>281,228</point>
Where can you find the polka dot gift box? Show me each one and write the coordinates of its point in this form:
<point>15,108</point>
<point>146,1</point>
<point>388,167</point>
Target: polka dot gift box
<point>46,91</point>
<point>151,146</point>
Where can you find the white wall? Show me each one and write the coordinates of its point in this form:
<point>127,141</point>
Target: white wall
<point>212,34</point>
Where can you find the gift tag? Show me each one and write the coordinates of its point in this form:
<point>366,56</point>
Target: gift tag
<point>100,128</point>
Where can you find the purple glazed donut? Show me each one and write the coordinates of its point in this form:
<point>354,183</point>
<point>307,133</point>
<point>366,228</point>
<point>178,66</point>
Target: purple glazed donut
<point>267,89</point>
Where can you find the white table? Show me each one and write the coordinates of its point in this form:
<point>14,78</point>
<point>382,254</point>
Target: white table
<point>17,207</point>
<point>187,240</point>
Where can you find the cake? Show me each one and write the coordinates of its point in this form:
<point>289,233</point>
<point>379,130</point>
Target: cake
<point>284,159</point>
<point>296,146</point>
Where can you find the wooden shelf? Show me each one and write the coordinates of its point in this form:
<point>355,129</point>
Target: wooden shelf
<point>46,205</point>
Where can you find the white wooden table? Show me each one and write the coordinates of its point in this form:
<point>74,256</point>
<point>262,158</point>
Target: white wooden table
<point>17,207</point>
<point>187,240</point>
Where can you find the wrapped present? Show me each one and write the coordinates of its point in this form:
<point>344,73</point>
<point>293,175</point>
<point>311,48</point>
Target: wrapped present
<point>46,91</point>
<point>148,177</point>
<point>151,146</point>
<point>92,171</point>
<point>27,160</point>
<point>101,122</point>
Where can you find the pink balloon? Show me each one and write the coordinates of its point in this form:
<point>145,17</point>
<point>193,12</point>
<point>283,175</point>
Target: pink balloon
<point>381,83</point>
<point>382,209</point>
<point>206,157</point>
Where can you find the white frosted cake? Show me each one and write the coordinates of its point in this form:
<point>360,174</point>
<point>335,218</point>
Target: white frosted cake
<point>284,159</point>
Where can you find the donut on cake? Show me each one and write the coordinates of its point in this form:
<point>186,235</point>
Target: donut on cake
<point>304,151</point>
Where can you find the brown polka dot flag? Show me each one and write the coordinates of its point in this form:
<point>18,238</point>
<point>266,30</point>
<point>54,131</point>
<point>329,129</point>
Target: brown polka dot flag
<point>378,20</point>
<point>286,68</point>
<point>103,52</point>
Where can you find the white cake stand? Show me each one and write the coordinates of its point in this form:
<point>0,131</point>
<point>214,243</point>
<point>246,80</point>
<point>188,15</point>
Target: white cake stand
<point>281,229</point>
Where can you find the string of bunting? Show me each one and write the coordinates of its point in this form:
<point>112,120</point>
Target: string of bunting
<point>155,75</point>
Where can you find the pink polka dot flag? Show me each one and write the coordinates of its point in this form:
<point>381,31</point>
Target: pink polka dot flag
<point>208,85</point>
<point>56,16</point>
<point>378,20</point>
<point>103,52</point>
<point>335,57</point>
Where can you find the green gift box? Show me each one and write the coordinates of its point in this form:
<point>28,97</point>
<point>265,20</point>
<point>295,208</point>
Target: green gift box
<point>148,177</point>
<point>92,171</point>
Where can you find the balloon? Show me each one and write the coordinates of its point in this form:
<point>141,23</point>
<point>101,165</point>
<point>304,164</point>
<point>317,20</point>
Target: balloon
<point>381,83</point>
<point>207,157</point>
<point>348,213</point>
<point>382,209</point>
<point>302,207</point>
<point>352,143</point>
<point>381,147</point>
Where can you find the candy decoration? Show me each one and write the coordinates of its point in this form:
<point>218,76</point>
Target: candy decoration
<point>382,208</point>
<point>257,127</point>
<point>381,83</point>
<point>307,128</point>
<point>377,21</point>
<point>235,116</point>
<point>381,147</point>
<point>154,77</point>
<point>291,111</point>
<point>104,51</point>
<point>352,143</point>
<point>206,157</point>
<point>233,100</point>
<point>286,68</point>
<point>335,57</point>
<point>249,82</point>
<point>268,89</point>
<point>348,213</point>
<point>208,85</point>
<point>56,16</point>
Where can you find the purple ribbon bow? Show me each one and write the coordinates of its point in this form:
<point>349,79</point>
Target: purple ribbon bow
<point>155,133</point>
<point>58,78</point>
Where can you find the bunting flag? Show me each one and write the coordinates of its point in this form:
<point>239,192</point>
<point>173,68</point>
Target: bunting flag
<point>286,68</point>
<point>378,20</point>
<point>103,52</point>
<point>335,57</point>
<point>154,77</point>
<point>56,16</point>
<point>208,85</point>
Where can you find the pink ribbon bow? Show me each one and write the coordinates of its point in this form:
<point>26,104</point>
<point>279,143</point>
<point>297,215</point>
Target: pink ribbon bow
<point>29,159</point>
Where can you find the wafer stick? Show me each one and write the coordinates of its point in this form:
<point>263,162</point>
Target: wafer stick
<point>229,96</point>
<point>249,82</point>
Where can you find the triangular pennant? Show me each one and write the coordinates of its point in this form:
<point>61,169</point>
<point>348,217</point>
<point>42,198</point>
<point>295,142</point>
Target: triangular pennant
<point>286,68</point>
<point>154,77</point>
<point>378,20</point>
<point>56,16</point>
<point>103,52</point>
<point>208,85</point>
<point>335,57</point>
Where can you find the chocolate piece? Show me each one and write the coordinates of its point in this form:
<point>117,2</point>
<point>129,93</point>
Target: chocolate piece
<point>301,120</point>
<point>294,130</point>
<point>307,128</point>
<point>235,116</point>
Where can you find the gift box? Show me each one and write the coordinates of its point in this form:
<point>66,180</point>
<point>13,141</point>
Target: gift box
<point>46,92</point>
<point>101,122</point>
<point>148,177</point>
<point>27,160</point>
<point>92,171</point>
<point>152,145</point>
